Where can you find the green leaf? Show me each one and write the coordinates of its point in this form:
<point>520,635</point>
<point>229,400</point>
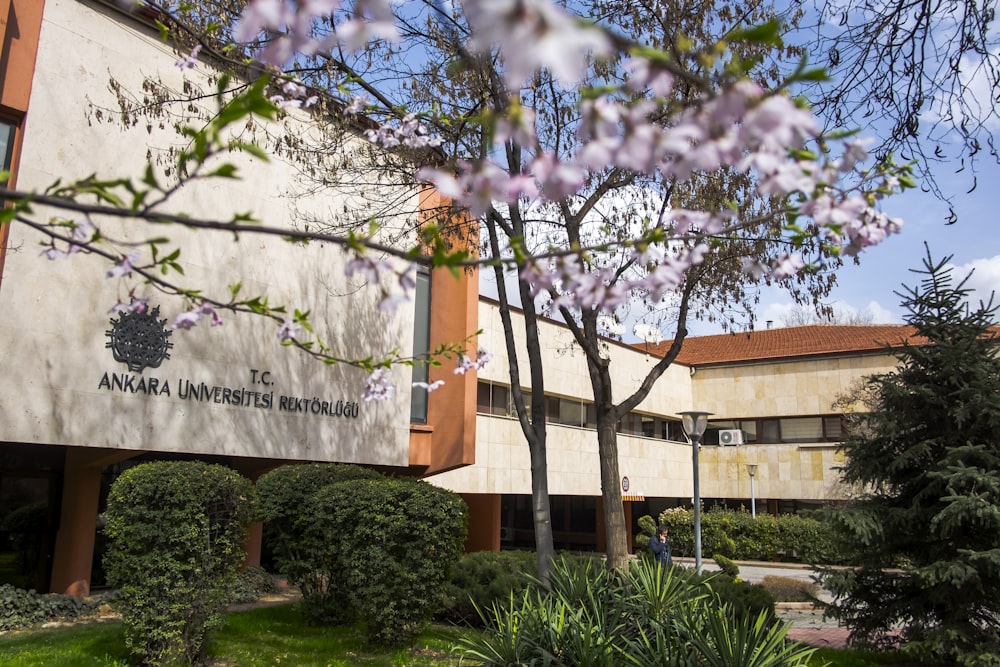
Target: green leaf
<point>768,33</point>
<point>227,170</point>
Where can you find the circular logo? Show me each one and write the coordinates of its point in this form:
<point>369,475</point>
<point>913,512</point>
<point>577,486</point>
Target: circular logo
<point>625,484</point>
<point>139,340</point>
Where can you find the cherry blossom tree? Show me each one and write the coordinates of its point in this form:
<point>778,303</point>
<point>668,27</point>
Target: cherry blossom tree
<point>617,159</point>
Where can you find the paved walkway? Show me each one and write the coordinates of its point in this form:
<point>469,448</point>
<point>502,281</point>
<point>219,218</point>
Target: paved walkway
<point>808,624</point>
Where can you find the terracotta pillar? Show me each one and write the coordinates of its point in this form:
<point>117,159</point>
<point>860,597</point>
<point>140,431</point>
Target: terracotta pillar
<point>484,522</point>
<point>629,535</point>
<point>252,469</point>
<point>74,549</point>
<point>601,543</point>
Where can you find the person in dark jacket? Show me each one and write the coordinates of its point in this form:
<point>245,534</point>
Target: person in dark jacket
<point>659,544</point>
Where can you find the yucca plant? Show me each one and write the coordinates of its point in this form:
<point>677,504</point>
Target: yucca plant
<point>655,591</point>
<point>726,639</point>
<point>502,643</point>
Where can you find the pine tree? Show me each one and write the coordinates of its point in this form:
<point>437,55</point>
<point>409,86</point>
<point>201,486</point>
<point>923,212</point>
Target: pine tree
<point>926,462</point>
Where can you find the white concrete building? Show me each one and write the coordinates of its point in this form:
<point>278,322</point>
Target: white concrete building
<point>76,404</point>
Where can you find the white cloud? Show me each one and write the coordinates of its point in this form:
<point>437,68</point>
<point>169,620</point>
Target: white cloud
<point>786,313</point>
<point>985,278</point>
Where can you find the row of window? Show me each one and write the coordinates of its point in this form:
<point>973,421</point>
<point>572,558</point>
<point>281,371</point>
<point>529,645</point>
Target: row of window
<point>495,399</point>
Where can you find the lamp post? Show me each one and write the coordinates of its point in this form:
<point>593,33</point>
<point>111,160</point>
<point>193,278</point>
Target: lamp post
<point>752,469</point>
<point>694,423</point>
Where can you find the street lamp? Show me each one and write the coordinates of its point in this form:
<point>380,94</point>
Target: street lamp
<point>752,469</point>
<point>694,424</point>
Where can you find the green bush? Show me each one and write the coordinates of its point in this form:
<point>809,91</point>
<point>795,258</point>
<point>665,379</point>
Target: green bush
<point>728,567</point>
<point>739,536</point>
<point>176,532</point>
<point>20,608</point>
<point>253,583</point>
<point>745,599</point>
<point>300,552</point>
<point>395,542</point>
<point>481,578</point>
<point>647,528</point>
<point>790,589</point>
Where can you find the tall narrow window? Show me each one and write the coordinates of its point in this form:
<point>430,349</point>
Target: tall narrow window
<point>7,130</point>
<point>421,345</point>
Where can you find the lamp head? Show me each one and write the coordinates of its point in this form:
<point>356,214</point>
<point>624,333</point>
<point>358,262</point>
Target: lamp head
<point>752,469</point>
<point>694,422</point>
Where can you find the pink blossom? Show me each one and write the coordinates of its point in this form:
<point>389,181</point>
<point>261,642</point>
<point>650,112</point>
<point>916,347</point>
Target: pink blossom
<point>124,267</point>
<point>644,75</point>
<point>778,123</point>
<point>532,34</point>
<point>378,386</point>
<point>187,320</point>
<point>206,309</point>
<point>357,105</point>
<point>556,179</point>
<point>288,331</point>
<point>786,265</point>
<point>53,253</point>
<point>189,61</point>
<point>366,268</point>
<point>135,305</point>
<point>433,386</point>
<point>464,364</point>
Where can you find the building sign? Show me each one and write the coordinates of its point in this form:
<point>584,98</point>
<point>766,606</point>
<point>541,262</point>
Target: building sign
<point>140,340</point>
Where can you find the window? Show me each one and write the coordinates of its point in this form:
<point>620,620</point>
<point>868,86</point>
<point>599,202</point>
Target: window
<point>782,430</point>
<point>571,413</point>
<point>421,346</point>
<point>801,429</point>
<point>7,133</point>
<point>493,399</point>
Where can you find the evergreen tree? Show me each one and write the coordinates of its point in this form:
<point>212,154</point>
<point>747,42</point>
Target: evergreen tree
<point>926,462</point>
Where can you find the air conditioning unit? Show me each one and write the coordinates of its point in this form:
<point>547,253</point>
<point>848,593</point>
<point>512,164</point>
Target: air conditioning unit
<point>730,436</point>
<point>504,534</point>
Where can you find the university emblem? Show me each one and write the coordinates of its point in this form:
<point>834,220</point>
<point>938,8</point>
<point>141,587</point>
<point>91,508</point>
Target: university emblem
<point>139,340</point>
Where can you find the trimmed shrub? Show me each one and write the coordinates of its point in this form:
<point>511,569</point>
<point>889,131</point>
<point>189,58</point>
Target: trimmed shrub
<point>176,531</point>
<point>744,598</point>
<point>790,589</point>
<point>728,567</point>
<point>480,579</point>
<point>20,608</point>
<point>301,551</point>
<point>739,536</point>
<point>395,541</point>
<point>647,528</point>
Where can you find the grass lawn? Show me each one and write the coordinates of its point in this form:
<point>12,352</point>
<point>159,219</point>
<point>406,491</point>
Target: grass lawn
<point>275,636</point>
<point>267,636</point>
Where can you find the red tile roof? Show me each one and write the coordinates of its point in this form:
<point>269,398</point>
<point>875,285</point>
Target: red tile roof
<point>788,343</point>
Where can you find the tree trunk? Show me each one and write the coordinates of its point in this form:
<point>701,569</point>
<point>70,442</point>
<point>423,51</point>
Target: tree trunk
<point>616,536</point>
<point>611,492</point>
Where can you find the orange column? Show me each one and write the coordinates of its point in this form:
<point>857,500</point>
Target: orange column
<point>74,550</point>
<point>601,543</point>
<point>252,469</point>
<point>484,522</point>
<point>629,535</point>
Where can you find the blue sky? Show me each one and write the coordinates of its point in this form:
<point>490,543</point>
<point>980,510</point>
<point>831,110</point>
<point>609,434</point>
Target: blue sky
<point>973,240</point>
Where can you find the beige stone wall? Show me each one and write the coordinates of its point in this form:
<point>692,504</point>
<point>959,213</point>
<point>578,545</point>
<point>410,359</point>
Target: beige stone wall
<point>654,467</point>
<point>782,389</point>
<point>503,465</point>
<point>56,312</point>
<point>657,468</point>
<point>790,472</point>
<point>779,389</point>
